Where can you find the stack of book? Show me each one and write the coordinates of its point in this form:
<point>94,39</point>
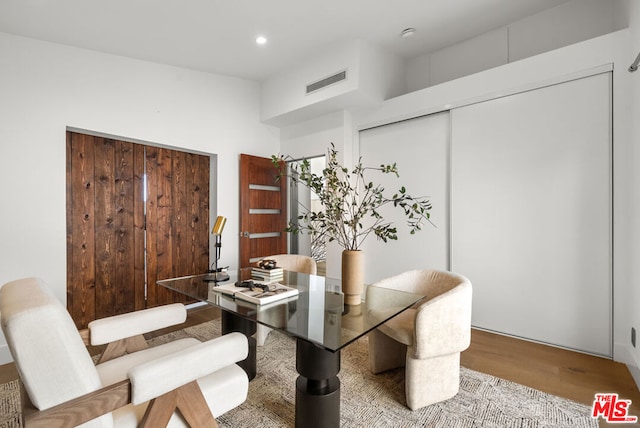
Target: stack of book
<point>267,275</point>
<point>257,293</point>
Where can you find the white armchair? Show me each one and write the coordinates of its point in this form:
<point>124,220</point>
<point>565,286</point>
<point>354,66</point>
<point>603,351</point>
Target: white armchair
<point>426,339</point>
<point>181,383</point>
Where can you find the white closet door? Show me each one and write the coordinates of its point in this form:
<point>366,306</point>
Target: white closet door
<point>420,149</point>
<point>531,213</point>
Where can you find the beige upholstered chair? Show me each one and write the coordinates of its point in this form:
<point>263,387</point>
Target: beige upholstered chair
<point>293,263</point>
<point>131,385</point>
<point>426,339</point>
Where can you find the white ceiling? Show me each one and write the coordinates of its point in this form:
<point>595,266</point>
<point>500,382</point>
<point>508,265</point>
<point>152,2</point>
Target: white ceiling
<point>219,35</point>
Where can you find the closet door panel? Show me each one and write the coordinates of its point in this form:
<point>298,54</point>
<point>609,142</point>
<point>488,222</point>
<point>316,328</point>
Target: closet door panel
<point>419,147</point>
<point>531,212</point>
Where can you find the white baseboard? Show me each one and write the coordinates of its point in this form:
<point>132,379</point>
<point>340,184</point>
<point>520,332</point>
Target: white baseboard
<point>635,373</point>
<point>624,354</point>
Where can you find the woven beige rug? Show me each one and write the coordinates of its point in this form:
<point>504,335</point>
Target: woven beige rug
<point>370,400</point>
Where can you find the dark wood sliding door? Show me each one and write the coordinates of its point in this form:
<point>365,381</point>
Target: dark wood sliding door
<point>123,234</point>
<point>177,218</point>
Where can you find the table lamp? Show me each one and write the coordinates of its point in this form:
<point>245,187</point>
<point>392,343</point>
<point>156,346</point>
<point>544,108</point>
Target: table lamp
<point>216,275</point>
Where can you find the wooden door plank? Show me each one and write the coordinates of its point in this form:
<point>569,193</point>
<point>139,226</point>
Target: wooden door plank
<point>124,250</point>
<point>179,220</point>
<point>152,224</point>
<point>165,240</point>
<point>105,218</point>
<point>190,237</point>
<point>197,185</point>
<point>200,190</point>
<point>80,221</point>
<point>139,261</point>
<point>202,229</point>
<point>179,214</point>
<point>180,197</point>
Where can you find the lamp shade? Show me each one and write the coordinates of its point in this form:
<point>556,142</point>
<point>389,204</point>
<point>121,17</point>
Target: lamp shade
<point>219,225</point>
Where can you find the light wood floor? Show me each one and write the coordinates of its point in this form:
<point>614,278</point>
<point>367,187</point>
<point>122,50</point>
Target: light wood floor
<point>556,371</point>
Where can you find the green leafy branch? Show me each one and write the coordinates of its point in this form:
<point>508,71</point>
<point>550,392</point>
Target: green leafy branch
<point>351,203</point>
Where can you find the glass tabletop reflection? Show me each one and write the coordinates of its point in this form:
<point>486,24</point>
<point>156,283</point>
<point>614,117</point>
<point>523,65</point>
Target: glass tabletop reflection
<point>317,314</point>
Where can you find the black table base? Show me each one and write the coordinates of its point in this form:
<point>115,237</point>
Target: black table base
<point>317,387</point>
<point>234,323</point>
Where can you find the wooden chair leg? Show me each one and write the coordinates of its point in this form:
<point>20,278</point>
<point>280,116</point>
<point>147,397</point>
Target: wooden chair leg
<point>194,408</point>
<point>159,410</point>
<point>123,346</point>
<point>188,400</point>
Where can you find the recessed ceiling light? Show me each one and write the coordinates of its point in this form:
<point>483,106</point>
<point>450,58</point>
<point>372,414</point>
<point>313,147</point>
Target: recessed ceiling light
<point>407,32</point>
<point>261,40</point>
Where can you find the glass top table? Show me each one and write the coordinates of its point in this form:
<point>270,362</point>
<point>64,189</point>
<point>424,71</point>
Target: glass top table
<point>317,314</point>
<point>317,318</point>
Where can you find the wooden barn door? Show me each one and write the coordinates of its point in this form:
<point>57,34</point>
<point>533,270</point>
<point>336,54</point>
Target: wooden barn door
<point>110,268</point>
<point>177,219</point>
<point>102,241</point>
<point>263,210</point>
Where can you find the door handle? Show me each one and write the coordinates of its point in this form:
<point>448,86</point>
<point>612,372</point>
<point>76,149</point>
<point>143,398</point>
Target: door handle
<point>244,234</point>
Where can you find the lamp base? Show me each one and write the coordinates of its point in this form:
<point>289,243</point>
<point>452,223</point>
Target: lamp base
<point>216,277</point>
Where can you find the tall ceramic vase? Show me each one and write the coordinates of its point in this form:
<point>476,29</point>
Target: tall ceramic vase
<point>352,276</point>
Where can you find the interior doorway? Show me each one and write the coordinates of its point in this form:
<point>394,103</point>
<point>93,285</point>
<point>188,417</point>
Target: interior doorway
<point>301,200</point>
<point>263,208</point>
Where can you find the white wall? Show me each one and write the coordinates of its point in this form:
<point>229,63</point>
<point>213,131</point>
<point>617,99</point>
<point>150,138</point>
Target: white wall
<point>420,150</point>
<point>313,138</point>
<point>561,29</point>
<point>632,299</point>
<point>373,74</point>
<point>561,26</point>
<point>46,88</point>
<point>538,71</point>
<point>285,92</point>
<point>483,52</point>
<point>496,52</point>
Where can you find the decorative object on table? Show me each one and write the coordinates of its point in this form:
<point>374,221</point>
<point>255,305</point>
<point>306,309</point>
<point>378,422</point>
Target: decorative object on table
<point>351,211</point>
<point>352,276</point>
<point>292,263</point>
<point>257,292</point>
<point>269,275</point>
<point>267,264</point>
<point>217,274</point>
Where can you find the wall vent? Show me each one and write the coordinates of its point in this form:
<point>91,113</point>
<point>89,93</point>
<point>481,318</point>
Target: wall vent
<point>327,81</point>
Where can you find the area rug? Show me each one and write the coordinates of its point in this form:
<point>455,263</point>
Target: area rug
<point>369,400</point>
